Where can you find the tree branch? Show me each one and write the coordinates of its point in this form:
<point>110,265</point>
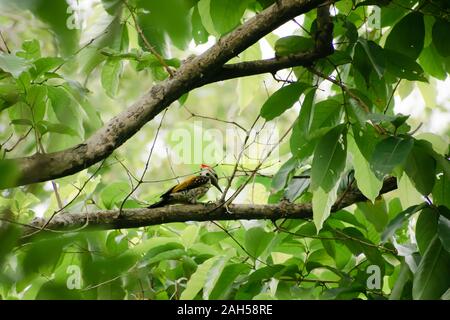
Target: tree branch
<point>193,73</point>
<point>134,218</point>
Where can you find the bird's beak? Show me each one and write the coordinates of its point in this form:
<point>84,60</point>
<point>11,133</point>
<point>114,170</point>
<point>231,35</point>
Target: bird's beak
<point>215,183</point>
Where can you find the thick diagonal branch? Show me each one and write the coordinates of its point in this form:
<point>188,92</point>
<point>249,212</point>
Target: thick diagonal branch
<point>133,218</point>
<point>194,73</point>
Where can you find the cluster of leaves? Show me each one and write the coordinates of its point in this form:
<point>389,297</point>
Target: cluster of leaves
<point>352,138</point>
<point>359,120</point>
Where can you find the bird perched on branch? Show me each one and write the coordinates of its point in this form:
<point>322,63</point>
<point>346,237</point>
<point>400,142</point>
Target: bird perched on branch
<point>191,189</point>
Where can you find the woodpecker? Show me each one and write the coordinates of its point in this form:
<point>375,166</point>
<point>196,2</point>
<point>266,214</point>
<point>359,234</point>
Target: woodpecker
<point>191,189</point>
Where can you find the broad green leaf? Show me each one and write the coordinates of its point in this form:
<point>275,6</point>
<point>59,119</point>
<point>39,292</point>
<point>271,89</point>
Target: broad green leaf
<point>402,66</point>
<point>161,20</point>
<point>111,72</point>
<point>399,220</point>
<point>174,254</point>
<point>205,16</point>
<point>402,40</point>
<point>227,14</point>
<point>189,235</point>
<point>66,109</point>
<point>400,283</point>
<point>45,64</point>
<point>12,64</point>
<point>432,63</point>
<point>444,231</point>
<point>441,37</point>
<point>282,100</point>
<point>199,32</point>
<point>22,122</point>
<point>36,100</point>
<point>46,126</point>
<point>213,275</point>
<point>420,168</point>
<point>426,228</point>
<point>375,54</point>
<point>441,189</point>
<point>322,202</point>
<point>111,6</point>
<point>295,188</point>
<point>367,181</point>
<point>61,20</point>
<point>57,291</point>
<point>390,153</point>
<point>292,44</point>
<point>256,241</point>
<point>329,159</point>
<point>362,63</point>
<point>375,213</point>
<point>305,118</point>
<point>114,193</point>
<point>31,50</point>
<point>279,180</point>
<point>432,278</point>
<point>225,282</point>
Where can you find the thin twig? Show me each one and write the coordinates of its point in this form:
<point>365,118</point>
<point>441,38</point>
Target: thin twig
<point>146,42</point>
<point>141,179</point>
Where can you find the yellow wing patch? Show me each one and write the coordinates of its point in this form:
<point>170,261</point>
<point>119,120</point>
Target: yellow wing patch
<point>184,184</point>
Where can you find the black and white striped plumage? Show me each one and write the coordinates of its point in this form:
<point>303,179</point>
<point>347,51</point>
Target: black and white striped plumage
<point>191,189</point>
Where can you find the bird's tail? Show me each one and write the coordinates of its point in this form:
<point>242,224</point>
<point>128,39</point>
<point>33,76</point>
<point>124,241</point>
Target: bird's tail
<point>160,203</point>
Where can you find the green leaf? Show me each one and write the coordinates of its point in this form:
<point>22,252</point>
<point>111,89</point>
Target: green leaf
<point>432,63</point>
<point>36,99</point>
<point>9,173</point>
<point>375,213</point>
<point>444,232</point>
<point>399,220</point>
<point>420,168</point>
<point>390,153</point>
<point>174,254</point>
<point>441,37</point>
<point>375,54</point>
<point>199,32</point>
<point>280,178</point>
<point>31,50</point>
<point>111,72</point>
<point>22,122</point>
<point>282,100</point>
<point>227,14</point>
<point>111,6</point>
<point>441,189</point>
<point>296,187</point>
<point>426,228</point>
<point>47,126</point>
<point>114,193</point>
<point>12,64</point>
<point>66,109</point>
<point>60,18</point>
<point>432,278</point>
<point>329,159</point>
<point>226,279</point>
<point>43,65</point>
<point>256,241</point>
<point>368,183</point>
<point>402,40</point>
<point>402,66</point>
<point>305,118</point>
<point>292,44</point>
<point>322,202</point>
